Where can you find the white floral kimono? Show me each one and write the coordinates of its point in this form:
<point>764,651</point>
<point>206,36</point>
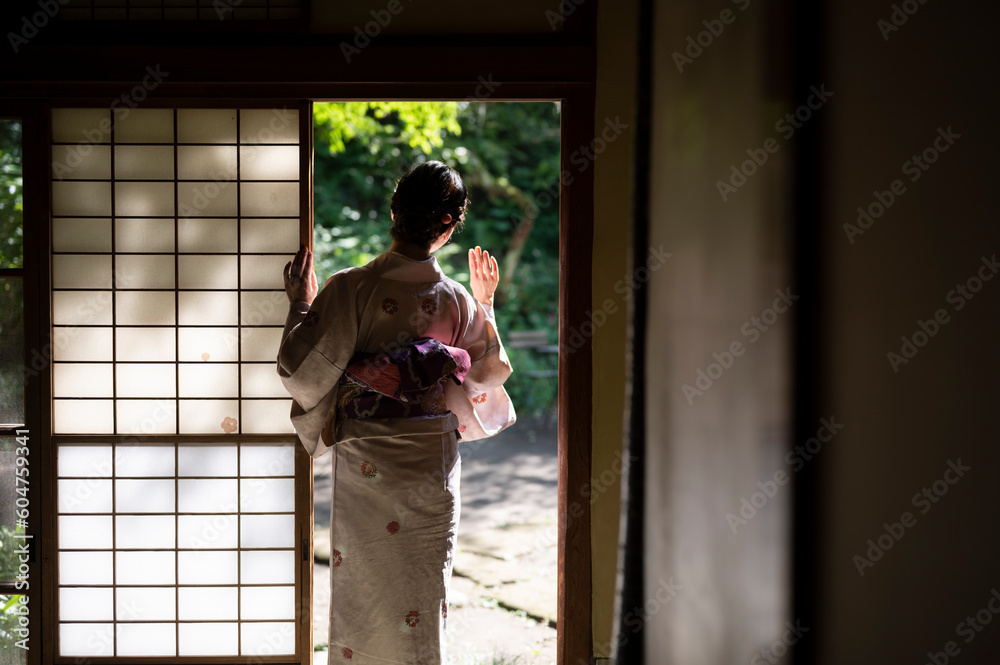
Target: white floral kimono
<point>396,464</point>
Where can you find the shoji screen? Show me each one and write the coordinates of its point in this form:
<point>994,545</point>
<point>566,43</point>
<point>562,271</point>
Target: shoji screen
<point>178,529</point>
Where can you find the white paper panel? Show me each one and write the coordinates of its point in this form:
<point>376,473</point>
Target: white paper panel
<point>260,344</point>
<point>81,344</point>
<point>208,344</point>
<point>86,639</point>
<point>83,380</point>
<point>270,235</point>
<point>267,567</point>
<point>149,271</point>
<point>80,271</point>
<point>263,272</point>
<point>145,126</point>
<point>144,162</point>
<point>147,639</point>
<point>140,461</point>
<point>266,199</point>
<point>269,126</point>
<point>267,416</point>
<point>207,567</point>
<point>206,126</point>
<point>206,235</point>
<point>208,416</point>
<point>267,638</point>
<point>267,495</point>
<point>208,639</point>
<point>144,604</point>
<point>145,380</point>
<point>258,459</point>
<point>71,416</point>
<point>138,344</point>
<point>86,568</point>
<point>140,416</point>
<point>208,603</point>
<point>144,235</point>
<point>207,162</point>
<point>144,308</point>
<point>202,459</point>
<point>200,308</point>
<point>207,531</point>
<point>85,496</point>
<point>264,308</point>
<point>267,531</point>
<point>81,235</point>
<point>85,532</point>
<point>81,125</point>
<point>267,602</point>
<point>85,604</point>
<point>85,461</point>
<point>206,496</point>
<point>272,162</point>
<point>209,380</point>
<point>81,308</point>
<point>144,531</point>
<point>261,381</point>
<point>144,567</point>
<point>144,496</point>
<point>198,199</point>
<point>144,199</point>
<point>81,162</point>
<point>81,199</point>
<point>207,272</point>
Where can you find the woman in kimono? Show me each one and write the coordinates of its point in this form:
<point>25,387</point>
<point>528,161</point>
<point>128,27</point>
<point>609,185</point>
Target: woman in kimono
<point>390,365</point>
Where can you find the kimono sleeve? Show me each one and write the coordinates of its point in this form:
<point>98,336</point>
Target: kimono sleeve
<point>315,353</point>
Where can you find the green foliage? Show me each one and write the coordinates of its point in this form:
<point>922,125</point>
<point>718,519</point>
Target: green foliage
<point>9,653</point>
<point>11,198</point>
<point>11,256</point>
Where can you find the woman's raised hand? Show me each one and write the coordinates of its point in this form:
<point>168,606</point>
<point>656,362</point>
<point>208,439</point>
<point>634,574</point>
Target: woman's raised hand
<point>300,280</point>
<point>484,275</point>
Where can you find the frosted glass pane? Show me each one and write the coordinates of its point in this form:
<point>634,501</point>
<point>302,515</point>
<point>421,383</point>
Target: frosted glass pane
<point>267,531</point>
<point>85,496</point>
<point>84,532</point>
<point>144,496</point>
<point>81,125</point>
<point>81,344</point>
<point>209,380</point>
<point>140,416</point>
<point>144,235</point>
<point>262,381</point>
<point>208,603</point>
<point>197,199</point>
<point>82,235</point>
<point>264,199</point>
<point>142,199</point>
<point>144,162</point>
<point>269,126</point>
<point>273,162</point>
<point>264,308</point>
<point>206,126</point>
<point>206,460</point>
<point>142,380</point>
<point>138,604</point>
<point>206,235</point>
<point>263,272</point>
<point>208,639</point>
<point>267,416</point>
<point>207,162</point>
<point>90,380</point>
<point>206,496</point>
<point>74,271</point>
<point>86,639</point>
<point>147,639</point>
<point>144,461</point>
<point>81,308</point>
<point>208,308</point>
<point>145,126</point>
<point>207,567</point>
<point>154,271</point>
<point>267,638</point>
<point>267,459</point>
<point>144,567</point>
<point>81,199</point>
<point>267,495</point>
<point>260,344</point>
<point>81,162</point>
<point>85,568</point>
<point>85,461</point>
<point>148,532</point>
<point>84,604</point>
<point>208,344</point>
<point>267,567</point>
<point>206,416</point>
<point>270,235</point>
<point>207,272</point>
<point>144,308</point>
<point>71,416</point>
<point>137,344</point>
<point>268,602</point>
<point>207,531</point>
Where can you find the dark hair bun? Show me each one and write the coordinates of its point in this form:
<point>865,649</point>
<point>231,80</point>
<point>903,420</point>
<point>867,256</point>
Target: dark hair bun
<point>424,195</point>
